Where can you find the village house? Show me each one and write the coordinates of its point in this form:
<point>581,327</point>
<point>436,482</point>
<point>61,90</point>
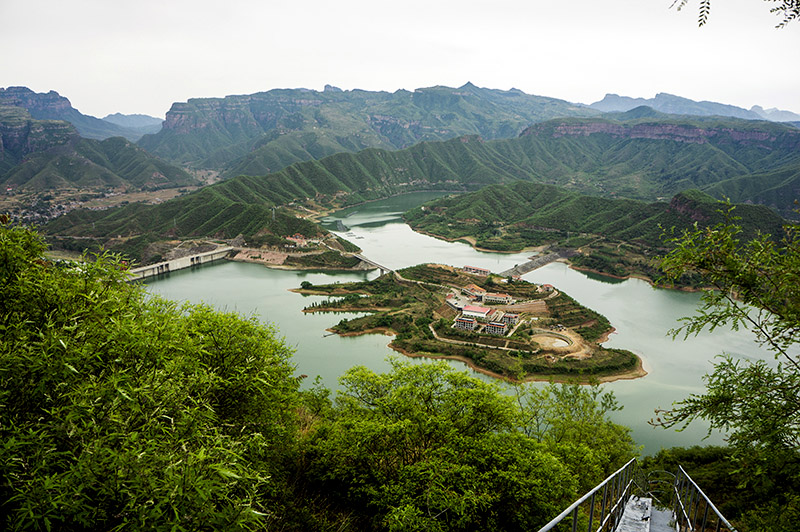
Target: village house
<point>477,271</point>
<point>547,288</point>
<point>510,318</point>
<point>474,291</point>
<point>454,302</point>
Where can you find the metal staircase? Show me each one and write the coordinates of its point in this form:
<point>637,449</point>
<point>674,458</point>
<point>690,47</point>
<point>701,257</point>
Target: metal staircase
<point>626,501</point>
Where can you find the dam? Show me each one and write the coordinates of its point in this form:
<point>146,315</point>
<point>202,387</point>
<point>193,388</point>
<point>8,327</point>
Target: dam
<point>159,268</point>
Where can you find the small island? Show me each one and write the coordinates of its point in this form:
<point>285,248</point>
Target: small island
<point>502,326</point>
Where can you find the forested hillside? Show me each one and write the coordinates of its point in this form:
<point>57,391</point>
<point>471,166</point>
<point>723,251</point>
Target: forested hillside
<point>640,158</point>
<point>510,217</point>
<point>49,156</point>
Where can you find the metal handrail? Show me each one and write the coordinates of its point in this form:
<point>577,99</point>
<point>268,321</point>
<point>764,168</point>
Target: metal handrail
<point>624,475</point>
<point>686,488</point>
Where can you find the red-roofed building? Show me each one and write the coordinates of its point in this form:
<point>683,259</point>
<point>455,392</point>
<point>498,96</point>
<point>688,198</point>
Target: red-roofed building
<point>476,312</point>
<point>465,323</point>
<point>474,291</point>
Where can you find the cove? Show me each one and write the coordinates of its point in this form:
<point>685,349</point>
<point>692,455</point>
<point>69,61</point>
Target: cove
<point>641,314</point>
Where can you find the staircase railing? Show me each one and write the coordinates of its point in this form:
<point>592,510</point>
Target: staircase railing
<point>693,509</point>
<point>603,505</point>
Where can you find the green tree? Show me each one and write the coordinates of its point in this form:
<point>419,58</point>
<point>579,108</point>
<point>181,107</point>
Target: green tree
<point>426,447</point>
<point>572,421</point>
<point>119,411</point>
<point>756,286</point>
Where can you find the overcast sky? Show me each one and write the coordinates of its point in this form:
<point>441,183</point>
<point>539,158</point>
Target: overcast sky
<point>111,56</point>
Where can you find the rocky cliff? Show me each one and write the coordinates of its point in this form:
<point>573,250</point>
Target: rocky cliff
<point>53,106</point>
<point>21,135</point>
<point>748,133</point>
<point>269,130</point>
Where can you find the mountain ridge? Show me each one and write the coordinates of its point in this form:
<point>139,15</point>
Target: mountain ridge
<point>53,106</point>
<point>597,163</point>
<point>269,130</point>
<point>672,104</point>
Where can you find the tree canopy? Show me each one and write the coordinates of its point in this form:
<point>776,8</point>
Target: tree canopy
<point>122,411</point>
<point>756,286</point>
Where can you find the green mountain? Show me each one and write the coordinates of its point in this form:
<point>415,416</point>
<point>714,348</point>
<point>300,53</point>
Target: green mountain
<point>46,155</point>
<point>262,133</point>
<point>510,217</point>
<point>52,106</point>
<point>21,135</point>
<point>642,159</point>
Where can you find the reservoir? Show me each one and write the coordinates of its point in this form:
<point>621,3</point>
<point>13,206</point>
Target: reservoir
<point>641,314</point>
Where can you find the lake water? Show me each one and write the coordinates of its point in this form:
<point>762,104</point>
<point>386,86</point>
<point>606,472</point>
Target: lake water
<point>641,314</point>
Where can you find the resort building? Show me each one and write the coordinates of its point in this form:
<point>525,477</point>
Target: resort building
<point>474,291</point>
<point>490,297</point>
<point>496,327</point>
<point>465,323</point>
<point>473,311</point>
<point>477,271</point>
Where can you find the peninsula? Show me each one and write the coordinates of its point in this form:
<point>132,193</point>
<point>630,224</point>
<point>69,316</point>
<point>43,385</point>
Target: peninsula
<point>502,326</point>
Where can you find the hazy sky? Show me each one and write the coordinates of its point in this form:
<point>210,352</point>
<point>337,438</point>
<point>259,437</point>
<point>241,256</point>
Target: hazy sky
<point>138,57</point>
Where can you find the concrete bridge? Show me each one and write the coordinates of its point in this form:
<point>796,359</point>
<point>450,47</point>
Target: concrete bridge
<point>159,268</point>
<point>374,264</point>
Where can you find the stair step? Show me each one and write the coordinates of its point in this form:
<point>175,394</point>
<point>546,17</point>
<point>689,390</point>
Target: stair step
<point>636,517</point>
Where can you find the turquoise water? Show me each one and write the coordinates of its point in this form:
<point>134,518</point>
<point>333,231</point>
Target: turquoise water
<point>641,314</point>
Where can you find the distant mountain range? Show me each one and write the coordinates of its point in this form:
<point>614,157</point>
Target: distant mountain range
<point>52,106</point>
<point>261,133</point>
<point>668,103</point>
<point>641,158</point>
<point>49,155</point>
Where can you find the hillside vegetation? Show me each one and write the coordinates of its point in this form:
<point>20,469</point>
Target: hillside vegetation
<point>615,236</point>
<point>641,158</point>
<point>123,411</point>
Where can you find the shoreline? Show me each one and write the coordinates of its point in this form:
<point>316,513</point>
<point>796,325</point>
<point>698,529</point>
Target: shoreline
<point>473,243</point>
<point>636,372</point>
<point>298,268</point>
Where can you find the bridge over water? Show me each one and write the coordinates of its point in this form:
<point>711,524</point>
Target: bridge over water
<point>382,268</point>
